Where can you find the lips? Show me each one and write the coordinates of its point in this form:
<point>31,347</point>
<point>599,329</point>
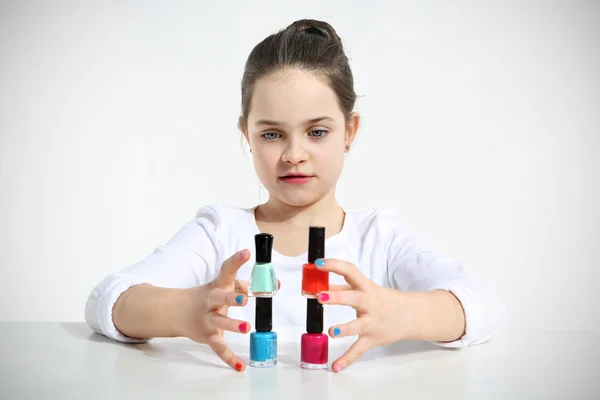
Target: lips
<point>296,178</point>
<point>290,176</point>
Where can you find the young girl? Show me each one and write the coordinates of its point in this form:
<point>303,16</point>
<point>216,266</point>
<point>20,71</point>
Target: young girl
<point>297,117</point>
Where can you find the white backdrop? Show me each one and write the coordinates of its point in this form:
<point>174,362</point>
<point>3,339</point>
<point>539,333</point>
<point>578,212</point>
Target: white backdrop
<point>481,123</point>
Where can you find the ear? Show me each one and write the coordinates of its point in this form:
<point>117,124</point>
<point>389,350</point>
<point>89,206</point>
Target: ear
<point>352,129</point>
<point>242,128</point>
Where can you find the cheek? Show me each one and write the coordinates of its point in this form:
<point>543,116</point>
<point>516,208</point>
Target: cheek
<point>265,159</point>
<point>336,163</point>
<point>331,155</point>
<point>330,165</point>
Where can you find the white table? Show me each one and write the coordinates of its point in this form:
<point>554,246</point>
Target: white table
<point>44,360</point>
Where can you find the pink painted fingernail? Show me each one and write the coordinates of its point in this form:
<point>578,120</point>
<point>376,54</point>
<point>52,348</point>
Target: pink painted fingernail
<point>337,368</point>
<point>243,327</point>
<point>241,254</point>
<point>323,297</point>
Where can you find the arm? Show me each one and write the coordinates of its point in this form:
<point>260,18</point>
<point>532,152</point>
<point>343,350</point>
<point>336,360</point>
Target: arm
<point>452,308</point>
<point>431,298</point>
<point>146,299</point>
<point>436,316</point>
<point>146,311</point>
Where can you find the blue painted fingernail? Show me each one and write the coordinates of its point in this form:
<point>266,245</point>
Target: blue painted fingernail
<point>239,298</point>
<point>320,262</point>
<point>336,331</point>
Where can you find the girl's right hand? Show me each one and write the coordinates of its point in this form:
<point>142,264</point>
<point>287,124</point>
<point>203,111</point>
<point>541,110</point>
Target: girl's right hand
<point>206,316</point>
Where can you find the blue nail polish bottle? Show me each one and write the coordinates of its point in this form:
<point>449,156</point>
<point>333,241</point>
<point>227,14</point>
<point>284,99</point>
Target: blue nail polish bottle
<point>263,342</point>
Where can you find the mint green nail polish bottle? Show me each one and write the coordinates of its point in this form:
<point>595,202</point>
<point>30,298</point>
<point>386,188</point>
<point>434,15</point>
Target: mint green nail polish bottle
<point>263,280</point>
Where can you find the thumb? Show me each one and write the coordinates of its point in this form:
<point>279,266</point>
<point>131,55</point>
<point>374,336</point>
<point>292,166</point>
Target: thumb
<point>230,267</point>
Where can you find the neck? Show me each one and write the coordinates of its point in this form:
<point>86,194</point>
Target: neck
<point>324,212</point>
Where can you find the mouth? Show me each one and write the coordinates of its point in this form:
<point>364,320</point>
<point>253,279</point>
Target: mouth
<point>296,175</point>
<point>296,178</point>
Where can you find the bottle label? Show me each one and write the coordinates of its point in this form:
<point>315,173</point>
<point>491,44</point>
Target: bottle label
<point>263,346</point>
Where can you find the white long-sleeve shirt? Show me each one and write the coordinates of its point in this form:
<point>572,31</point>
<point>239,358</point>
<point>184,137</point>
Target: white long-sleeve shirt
<point>375,241</point>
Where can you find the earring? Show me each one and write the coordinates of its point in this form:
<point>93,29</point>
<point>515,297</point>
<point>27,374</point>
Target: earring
<point>347,147</point>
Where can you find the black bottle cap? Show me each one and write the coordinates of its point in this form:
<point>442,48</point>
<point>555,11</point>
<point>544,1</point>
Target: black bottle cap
<point>314,316</point>
<point>264,314</point>
<point>316,243</point>
<point>264,247</point>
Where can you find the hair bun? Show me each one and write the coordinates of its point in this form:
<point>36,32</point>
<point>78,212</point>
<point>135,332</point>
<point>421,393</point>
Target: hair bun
<point>315,27</point>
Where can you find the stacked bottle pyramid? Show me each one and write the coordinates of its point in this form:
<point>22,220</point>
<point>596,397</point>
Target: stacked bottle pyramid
<point>314,343</point>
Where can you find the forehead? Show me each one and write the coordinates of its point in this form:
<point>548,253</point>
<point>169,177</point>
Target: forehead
<point>293,96</point>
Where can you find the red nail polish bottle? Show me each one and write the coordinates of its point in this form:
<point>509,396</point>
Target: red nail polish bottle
<point>314,345</point>
<point>313,279</point>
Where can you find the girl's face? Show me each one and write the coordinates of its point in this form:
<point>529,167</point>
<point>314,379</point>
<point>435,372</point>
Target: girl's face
<point>298,136</point>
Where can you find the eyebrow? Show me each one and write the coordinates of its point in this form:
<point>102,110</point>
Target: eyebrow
<point>310,121</point>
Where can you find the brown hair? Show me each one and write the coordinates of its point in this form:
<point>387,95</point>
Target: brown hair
<point>306,44</point>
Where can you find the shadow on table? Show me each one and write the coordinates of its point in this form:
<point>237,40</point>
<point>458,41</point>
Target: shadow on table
<point>186,351</point>
<point>289,353</point>
<point>178,350</point>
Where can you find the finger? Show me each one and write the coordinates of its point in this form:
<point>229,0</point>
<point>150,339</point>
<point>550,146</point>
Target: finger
<point>230,267</point>
<point>218,297</point>
<point>353,298</point>
<point>358,348</point>
<point>337,288</point>
<point>349,271</point>
<point>358,326</point>
<point>217,345</point>
<point>217,320</point>
<point>242,286</point>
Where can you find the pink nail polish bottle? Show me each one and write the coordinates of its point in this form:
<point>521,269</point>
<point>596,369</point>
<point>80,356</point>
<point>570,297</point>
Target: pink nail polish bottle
<point>314,345</point>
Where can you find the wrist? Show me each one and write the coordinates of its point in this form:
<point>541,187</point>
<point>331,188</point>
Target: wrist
<point>413,306</point>
<point>184,304</point>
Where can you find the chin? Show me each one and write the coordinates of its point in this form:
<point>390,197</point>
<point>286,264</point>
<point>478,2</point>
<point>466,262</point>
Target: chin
<point>296,202</point>
<point>299,199</point>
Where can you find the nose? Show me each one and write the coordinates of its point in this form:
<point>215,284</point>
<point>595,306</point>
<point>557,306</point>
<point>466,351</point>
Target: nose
<point>294,153</point>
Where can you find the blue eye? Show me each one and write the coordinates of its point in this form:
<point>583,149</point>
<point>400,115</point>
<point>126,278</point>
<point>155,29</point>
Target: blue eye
<point>318,133</point>
<point>270,135</point>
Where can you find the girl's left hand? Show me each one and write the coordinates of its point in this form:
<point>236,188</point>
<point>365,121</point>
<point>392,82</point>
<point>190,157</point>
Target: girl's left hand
<point>382,317</point>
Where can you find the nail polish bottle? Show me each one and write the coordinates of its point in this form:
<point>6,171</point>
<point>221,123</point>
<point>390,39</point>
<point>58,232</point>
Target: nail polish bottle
<point>263,281</point>
<point>263,342</point>
<point>314,344</point>
<point>314,280</point>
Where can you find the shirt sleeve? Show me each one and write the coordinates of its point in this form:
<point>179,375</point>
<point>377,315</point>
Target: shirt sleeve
<point>412,266</point>
<point>189,258</point>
